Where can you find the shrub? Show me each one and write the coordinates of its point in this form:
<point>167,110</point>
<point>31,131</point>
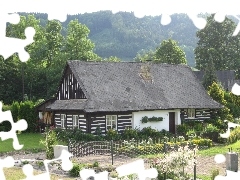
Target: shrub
<point>214,173</point>
<point>182,129</point>
<point>202,142</point>
<point>49,142</point>
<point>149,132</point>
<point>74,172</point>
<point>129,133</point>
<point>211,128</point>
<point>234,135</point>
<point>112,135</point>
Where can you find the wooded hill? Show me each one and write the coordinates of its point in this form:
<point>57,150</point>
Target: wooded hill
<point>124,35</point>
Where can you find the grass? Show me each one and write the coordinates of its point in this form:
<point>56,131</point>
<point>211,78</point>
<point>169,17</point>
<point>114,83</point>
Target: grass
<point>219,149</point>
<point>17,173</point>
<point>30,141</point>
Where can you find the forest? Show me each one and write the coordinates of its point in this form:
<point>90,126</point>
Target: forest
<point>123,35</point>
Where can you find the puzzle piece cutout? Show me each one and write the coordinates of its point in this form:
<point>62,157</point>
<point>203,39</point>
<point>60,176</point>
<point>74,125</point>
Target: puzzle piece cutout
<point>5,163</point>
<point>66,166</point>
<point>87,174</point>
<point>20,125</point>
<point>9,45</point>
<point>137,167</point>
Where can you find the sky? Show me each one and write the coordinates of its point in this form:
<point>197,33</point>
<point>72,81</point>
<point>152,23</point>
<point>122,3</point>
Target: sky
<point>139,7</point>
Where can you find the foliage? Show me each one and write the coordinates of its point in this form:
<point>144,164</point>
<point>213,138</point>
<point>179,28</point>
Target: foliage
<point>174,163</point>
<point>182,128</point>
<point>217,37</point>
<point>209,75</point>
<point>234,135</point>
<point>233,103</point>
<point>134,148</point>
<point>214,173</point>
<point>169,52</point>
<point>78,46</point>
<point>129,133</point>
<point>74,172</point>
<point>146,119</point>
<point>15,107</point>
<point>27,112</point>
<point>217,93</point>
<point>112,59</point>
<point>211,128</point>
<point>49,142</point>
<point>201,142</point>
<point>113,174</point>
<point>112,135</point>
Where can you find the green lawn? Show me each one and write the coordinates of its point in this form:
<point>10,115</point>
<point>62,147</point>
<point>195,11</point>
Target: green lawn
<point>29,141</point>
<point>220,149</point>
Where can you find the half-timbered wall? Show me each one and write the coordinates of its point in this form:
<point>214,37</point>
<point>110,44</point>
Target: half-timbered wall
<point>70,88</point>
<point>57,118</point>
<point>69,121</point>
<point>98,121</point>
<point>82,123</point>
<point>123,121</point>
<point>200,114</point>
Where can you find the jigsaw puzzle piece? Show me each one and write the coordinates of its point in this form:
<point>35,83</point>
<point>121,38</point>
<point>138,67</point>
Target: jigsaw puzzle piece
<point>9,45</point>
<point>5,17</point>
<point>87,174</point>
<point>137,167</point>
<point>5,163</point>
<point>20,125</point>
<point>28,171</point>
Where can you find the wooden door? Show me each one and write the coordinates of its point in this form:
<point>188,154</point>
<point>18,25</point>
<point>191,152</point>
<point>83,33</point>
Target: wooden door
<point>172,122</point>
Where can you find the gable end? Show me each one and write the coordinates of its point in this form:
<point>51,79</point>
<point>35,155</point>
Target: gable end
<point>69,87</point>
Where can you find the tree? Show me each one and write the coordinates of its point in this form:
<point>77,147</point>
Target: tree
<point>209,75</point>
<point>169,52</point>
<point>78,46</point>
<point>217,93</point>
<point>144,56</point>
<point>112,59</point>
<point>224,48</point>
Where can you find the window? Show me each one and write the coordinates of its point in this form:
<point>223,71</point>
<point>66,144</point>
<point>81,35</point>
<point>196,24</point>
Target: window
<point>75,121</point>
<point>111,122</point>
<point>63,119</point>
<point>191,113</point>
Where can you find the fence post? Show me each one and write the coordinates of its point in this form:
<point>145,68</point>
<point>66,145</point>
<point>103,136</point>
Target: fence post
<point>165,151</point>
<point>112,150</point>
<point>195,168</point>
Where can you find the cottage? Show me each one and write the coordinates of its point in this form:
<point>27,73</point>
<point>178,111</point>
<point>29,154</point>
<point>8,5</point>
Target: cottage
<point>128,94</point>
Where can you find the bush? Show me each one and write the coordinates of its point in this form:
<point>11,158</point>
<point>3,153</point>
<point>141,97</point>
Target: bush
<point>211,128</point>
<point>149,132</point>
<point>49,142</point>
<point>74,172</point>
<point>202,142</point>
<point>234,135</point>
<point>27,112</point>
<point>129,133</point>
<point>182,129</point>
<point>112,135</point>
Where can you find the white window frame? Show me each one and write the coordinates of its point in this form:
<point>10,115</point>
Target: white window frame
<point>75,121</point>
<point>109,122</point>
<point>63,120</point>
<point>191,113</point>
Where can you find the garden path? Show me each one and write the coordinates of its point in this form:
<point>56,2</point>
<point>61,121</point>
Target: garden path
<point>204,164</point>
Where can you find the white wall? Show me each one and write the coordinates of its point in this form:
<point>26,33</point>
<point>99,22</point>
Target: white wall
<point>137,116</point>
<point>40,115</point>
